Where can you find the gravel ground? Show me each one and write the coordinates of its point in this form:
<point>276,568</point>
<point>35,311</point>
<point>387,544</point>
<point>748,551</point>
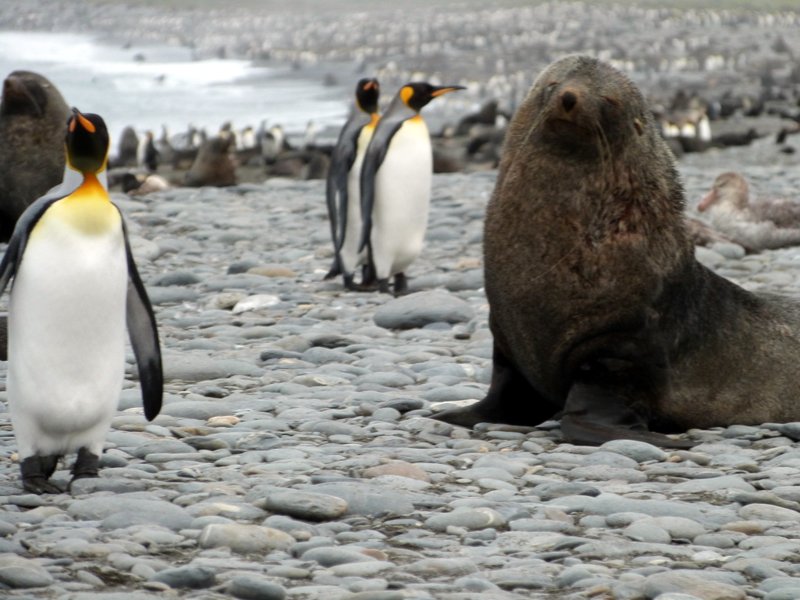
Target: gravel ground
<point>294,457</point>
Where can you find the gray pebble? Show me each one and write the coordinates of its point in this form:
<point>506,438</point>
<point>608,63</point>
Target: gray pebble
<point>422,308</point>
<point>189,576</point>
<point>304,504</point>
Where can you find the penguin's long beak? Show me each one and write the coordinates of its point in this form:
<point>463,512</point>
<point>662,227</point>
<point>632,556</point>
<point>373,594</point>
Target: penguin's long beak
<point>77,117</point>
<point>371,85</point>
<point>446,89</point>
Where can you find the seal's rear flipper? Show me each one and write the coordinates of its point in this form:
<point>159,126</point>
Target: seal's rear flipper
<point>595,414</point>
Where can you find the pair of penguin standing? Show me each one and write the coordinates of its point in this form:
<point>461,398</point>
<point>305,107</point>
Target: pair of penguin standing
<point>75,287</point>
<point>379,186</point>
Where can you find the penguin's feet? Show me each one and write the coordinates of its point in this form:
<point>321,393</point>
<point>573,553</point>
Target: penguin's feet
<point>349,284</point>
<point>383,286</point>
<point>400,284</point>
<point>86,465</point>
<point>368,277</point>
<point>36,470</point>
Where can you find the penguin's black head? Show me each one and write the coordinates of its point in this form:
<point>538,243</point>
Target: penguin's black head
<point>417,94</point>
<point>367,93</point>
<point>87,142</point>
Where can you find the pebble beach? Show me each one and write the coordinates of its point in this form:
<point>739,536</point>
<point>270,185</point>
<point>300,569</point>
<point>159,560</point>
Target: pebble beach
<point>295,457</point>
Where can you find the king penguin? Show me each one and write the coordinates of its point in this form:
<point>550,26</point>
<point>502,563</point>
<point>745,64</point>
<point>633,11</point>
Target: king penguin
<point>342,186</point>
<point>396,185</point>
<point>75,287</point>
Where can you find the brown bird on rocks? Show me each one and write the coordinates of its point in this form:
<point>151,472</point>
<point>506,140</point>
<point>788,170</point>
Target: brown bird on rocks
<point>760,224</point>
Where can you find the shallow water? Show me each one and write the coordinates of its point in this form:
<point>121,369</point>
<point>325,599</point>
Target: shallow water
<point>151,86</point>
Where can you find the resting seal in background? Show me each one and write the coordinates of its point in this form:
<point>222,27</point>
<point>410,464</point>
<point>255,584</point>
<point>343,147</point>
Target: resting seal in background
<point>599,310</point>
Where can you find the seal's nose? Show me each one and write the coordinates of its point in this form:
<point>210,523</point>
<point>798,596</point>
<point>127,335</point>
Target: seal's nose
<point>568,100</point>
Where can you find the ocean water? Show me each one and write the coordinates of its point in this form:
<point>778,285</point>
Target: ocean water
<point>150,86</point>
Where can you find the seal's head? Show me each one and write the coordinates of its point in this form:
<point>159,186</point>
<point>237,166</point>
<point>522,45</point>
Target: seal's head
<point>585,109</point>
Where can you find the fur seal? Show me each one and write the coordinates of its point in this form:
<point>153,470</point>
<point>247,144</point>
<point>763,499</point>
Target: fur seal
<point>599,311</point>
<point>214,165</point>
<point>755,225</point>
<point>33,121</point>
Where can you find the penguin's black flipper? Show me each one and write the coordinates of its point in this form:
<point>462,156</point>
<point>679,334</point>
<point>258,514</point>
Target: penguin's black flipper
<point>19,239</point>
<point>336,190</point>
<point>373,159</point>
<point>144,338</point>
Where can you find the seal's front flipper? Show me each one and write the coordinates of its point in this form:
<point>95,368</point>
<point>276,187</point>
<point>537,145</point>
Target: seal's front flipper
<point>511,400</point>
<point>595,414</point>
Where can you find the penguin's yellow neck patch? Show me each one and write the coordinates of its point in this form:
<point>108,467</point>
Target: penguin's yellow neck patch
<point>88,208</point>
<point>374,118</point>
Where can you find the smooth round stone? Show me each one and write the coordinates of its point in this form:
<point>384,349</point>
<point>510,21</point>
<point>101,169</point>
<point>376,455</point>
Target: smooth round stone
<point>387,379</point>
<point>366,499</point>
<point>19,573</point>
<point>190,576</point>
<point>708,257</point>
<point>328,556</point>
<point>244,538</point>
<point>703,584</point>
<point>678,528</point>
<point>441,567</point>
<point>541,525</point>
<point>196,367</point>
<point>647,532</point>
<point>422,308</point>
<point>175,278</point>
<point>248,587</point>
<point>787,593</point>
<point>162,447</point>
<point>171,295</point>
<point>729,250</point>
<point>768,512</point>
<point>636,450</point>
<point>607,473</point>
<point>195,409</point>
<point>255,302</point>
<point>469,519</point>
<point>550,491</point>
<point>713,484</point>
<point>399,469</point>
<point>304,505</point>
<point>124,510</point>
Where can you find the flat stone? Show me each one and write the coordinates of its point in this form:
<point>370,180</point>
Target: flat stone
<point>249,587</point>
<point>17,572</point>
<point>195,367</point>
<point>304,504</point>
<point>124,510</point>
<point>422,308</point>
<point>702,584</point>
<point>189,576</point>
<point>244,538</point>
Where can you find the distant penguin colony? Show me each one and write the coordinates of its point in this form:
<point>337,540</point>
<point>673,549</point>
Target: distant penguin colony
<point>396,181</point>
<point>75,287</point>
<point>342,185</point>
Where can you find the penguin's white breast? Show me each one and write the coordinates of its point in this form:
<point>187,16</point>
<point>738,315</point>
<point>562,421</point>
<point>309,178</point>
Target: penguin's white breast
<point>403,181</point>
<point>67,306</point>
